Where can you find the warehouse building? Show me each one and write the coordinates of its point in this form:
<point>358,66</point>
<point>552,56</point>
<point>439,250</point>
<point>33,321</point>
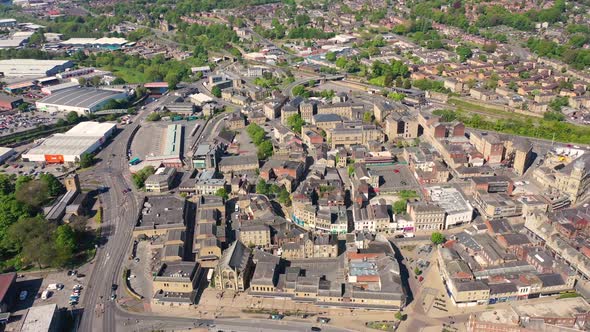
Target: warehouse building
<point>33,67</point>
<point>6,153</point>
<point>8,103</point>
<point>79,99</point>
<point>101,43</point>
<point>86,137</point>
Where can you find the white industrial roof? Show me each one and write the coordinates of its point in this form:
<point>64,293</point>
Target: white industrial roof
<point>4,151</point>
<point>60,144</point>
<point>75,141</point>
<point>91,129</point>
<point>94,41</point>
<point>78,41</point>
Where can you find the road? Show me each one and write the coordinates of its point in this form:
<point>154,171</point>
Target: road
<point>119,215</point>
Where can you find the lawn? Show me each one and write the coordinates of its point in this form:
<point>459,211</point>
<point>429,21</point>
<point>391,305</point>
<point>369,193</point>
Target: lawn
<point>493,112</point>
<point>379,81</point>
<point>129,75</point>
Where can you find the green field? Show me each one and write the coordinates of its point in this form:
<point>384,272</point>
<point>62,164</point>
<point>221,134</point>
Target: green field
<point>129,75</point>
<point>490,111</point>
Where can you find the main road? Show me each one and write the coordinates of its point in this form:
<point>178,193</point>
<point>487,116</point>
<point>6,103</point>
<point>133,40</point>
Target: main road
<point>119,214</point>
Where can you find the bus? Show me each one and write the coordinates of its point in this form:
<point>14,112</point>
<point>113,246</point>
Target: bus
<point>134,161</point>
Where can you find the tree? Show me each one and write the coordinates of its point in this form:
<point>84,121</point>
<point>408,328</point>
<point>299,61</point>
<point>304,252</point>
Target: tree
<point>284,197</point>
<point>265,150</point>
<point>86,160</point>
<point>222,192</point>
<point>33,193</point>
<point>37,38</point>
<point>216,91</point>
<point>400,316</point>
<point>262,187</point>
<point>172,78</point>
<point>295,122</point>
<point>54,186</point>
<point>368,117</point>
<point>82,81</point>
<point>95,81</point>
<point>72,117</point>
<point>65,245</point>
<point>464,53</point>
<point>155,116</point>
<point>142,175</point>
<point>6,185</point>
<point>437,238</point>
<point>331,56</point>
<point>298,90</point>
<point>399,207</point>
<point>341,62</point>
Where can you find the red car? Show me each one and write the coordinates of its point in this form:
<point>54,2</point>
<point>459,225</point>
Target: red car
<point>420,278</point>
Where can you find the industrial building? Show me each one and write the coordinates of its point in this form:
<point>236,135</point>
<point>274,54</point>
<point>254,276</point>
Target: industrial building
<point>9,103</point>
<point>79,99</point>
<point>6,153</point>
<point>42,318</point>
<point>33,67</point>
<point>101,43</point>
<point>86,137</point>
<point>172,154</point>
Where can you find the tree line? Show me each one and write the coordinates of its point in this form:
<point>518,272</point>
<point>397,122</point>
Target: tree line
<point>26,238</point>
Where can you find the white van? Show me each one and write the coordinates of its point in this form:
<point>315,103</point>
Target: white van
<point>45,295</point>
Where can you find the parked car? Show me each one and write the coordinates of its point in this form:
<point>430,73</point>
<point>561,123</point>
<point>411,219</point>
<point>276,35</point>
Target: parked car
<point>46,294</point>
<point>23,295</point>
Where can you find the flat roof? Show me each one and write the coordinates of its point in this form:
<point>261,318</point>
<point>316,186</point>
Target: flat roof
<point>39,318</point>
<point>29,66</point>
<point>566,308</point>
<point>91,129</point>
<point>79,97</point>
<point>60,144</point>
<point>173,140</point>
<point>162,212</point>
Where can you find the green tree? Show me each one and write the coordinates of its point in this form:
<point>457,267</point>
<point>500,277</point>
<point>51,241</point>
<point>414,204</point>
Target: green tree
<point>216,91</point>
<point>222,192</point>
<point>34,193</point>
<point>368,117</point>
<point>54,186</point>
<point>399,207</point>
<point>299,90</point>
<point>65,245</point>
<point>331,56</point>
<point>464,53</point>
<point>72,117</point>
<point>82,81</point>
<point>265,150</point>
<point>142,175</point>
<point>6,185</point>
<point>262,187</point>
<point>155,116</point>
<point>295,122</point>
<point>437,238</point>
<point>87,160</point>
<point>284,197</point>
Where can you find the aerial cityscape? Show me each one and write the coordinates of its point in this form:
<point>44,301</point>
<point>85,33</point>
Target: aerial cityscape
<point>294,165</point>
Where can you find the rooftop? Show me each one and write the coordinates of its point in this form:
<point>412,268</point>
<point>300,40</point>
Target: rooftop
<point>39,318</point>
<point>177,270</point>
<point>162,211</point>
<point>79,97</point>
